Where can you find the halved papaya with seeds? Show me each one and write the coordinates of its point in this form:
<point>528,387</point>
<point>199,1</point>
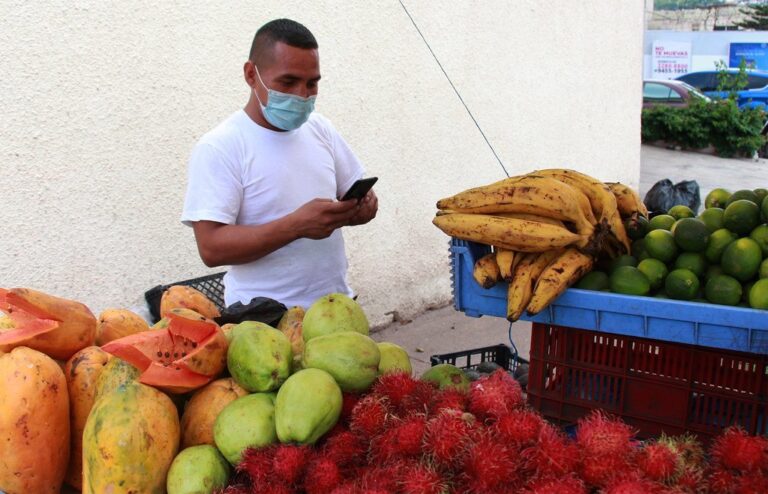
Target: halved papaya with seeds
<point>55,326</point>
<point>188,354</point>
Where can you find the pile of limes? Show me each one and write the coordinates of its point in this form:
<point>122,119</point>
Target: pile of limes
<point>719,256</point>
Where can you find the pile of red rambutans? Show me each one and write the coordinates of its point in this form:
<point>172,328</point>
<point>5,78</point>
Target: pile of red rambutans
<point>406,436</point>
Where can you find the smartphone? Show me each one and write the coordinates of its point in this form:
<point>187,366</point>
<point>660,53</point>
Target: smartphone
<point>359,189</point>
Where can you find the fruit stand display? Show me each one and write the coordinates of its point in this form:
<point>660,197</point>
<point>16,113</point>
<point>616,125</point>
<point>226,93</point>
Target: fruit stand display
<point>314,405</point>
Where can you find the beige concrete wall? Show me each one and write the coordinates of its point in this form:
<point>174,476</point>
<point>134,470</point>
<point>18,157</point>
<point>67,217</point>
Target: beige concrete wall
<point>102,102</point>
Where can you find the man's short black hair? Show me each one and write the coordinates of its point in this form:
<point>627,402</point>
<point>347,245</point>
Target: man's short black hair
<point>285,31</point>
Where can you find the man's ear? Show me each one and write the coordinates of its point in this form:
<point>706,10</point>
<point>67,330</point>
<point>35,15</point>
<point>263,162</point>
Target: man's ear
<point>249,73</point>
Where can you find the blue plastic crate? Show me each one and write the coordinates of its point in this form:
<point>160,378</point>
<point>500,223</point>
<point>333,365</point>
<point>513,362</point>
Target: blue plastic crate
<point>717,326</point>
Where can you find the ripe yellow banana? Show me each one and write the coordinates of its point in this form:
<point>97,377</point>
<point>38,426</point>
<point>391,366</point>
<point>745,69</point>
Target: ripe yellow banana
<point>628,200</point>
<point>531,194</point>
<point>526,273</point>
<point>508,233</point>
<point>600,197</point>
<point>562,272</point>
<point>505,259</point>
<point>486,271</point>
<point>533,217</point>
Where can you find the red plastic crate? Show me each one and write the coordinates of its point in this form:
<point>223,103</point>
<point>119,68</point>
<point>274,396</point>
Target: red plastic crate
<point>655,386</point>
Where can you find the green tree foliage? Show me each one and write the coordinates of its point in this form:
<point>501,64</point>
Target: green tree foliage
<point>757,18</point>
<point>685,4</point>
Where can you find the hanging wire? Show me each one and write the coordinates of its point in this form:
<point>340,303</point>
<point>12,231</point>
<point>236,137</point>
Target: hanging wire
<point>454,87</point>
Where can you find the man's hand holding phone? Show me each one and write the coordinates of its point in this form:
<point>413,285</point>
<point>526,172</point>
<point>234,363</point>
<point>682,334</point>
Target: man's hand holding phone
<point>367,202</point>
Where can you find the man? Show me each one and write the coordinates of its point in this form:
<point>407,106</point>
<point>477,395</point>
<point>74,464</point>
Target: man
<point>263,184</point>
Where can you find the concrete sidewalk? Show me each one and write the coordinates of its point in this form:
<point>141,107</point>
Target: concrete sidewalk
<point>445,330</point>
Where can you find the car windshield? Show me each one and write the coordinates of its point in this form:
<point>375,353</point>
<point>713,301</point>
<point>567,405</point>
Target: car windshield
<point>695,92</point>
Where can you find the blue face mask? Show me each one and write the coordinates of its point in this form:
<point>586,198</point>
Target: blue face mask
<point>285,111</point>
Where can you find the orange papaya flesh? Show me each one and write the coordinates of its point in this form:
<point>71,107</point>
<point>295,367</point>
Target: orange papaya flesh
<point>188,354</point>
<point>28,320</point>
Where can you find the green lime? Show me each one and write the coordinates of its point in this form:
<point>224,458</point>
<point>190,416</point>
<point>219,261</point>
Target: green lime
<point>741,217</point>
<point>654,270</point>
<point>636,227</point>
<point>713,270</point>
<point>761,194</point>
<point>745,288</point>
<point>638,249</point>
<point>716,198</point>
<point>629,280</point>
<point>693,261</point>
<point>718,241</point>
<point>660,244</point>
<point>758,295</point>
<point>622,260</point>
<point>742,195</point>
<point>594,280</point>
<point>760,235</point>
<point>661,222</point>
<point>682,284</point>
<point>713,218</point>
<point>741,259</point>
<point>764,209</point>
<point>681,211</point>
<point>724,290</point>
<point>691,234</point>
<point>762,271</point>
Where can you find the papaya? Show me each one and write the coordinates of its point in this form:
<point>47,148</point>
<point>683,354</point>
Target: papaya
<point>81,372</point>
<point>186,297</point>
<point>117,372</point>
<point>259,359</point>
<point>187,355</point>
<point>116,323</point>
<point>34,423</point>
<point>55,326</point>
<point>291,326</point>
<point>350,357</point>
<point>307,406</point>
<point>129,441</point>
<point>333,313</point>
<point>203,408</point>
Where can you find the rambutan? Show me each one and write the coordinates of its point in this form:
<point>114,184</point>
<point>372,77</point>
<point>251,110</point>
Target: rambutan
<point>633,486</point>
<point>752,484</point>
<point>349,400</point>
<point>382,478</point>
<point>737,450</point>
<point>345,448</point>
<point>691,479</point>
<point>447,435</point>
<point>422,479</point>
<point>289,461</point>
<point>419,400</point>
<point>519,427</point>
<point>272,487</point>
<point>721,481</point>
<point>490,464</point>
<point>257,462</point>
<point>658,461</point>
<point>322,476</point>
<point>687,447</point>
<point>234,489</point>
<point>394,386</point>
<point>597,434</point>
<point>369,416</point>
<point>402,439</point>
<point>563,485</point>
<point>448,399</point>
<point>495,395</point>
<point>346,487</point>
<point>553,455</point>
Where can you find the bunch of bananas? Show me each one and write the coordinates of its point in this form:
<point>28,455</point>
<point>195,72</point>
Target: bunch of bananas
<point>547,228</point>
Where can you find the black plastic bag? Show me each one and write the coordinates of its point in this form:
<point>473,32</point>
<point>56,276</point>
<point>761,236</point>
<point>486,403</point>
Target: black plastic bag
<point>663,195</point>
<point>261,309</point>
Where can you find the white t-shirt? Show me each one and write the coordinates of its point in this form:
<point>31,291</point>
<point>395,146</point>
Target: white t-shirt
<point>241,173</point>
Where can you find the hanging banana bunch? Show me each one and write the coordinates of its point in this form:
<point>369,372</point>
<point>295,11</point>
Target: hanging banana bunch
<point>547,228</point>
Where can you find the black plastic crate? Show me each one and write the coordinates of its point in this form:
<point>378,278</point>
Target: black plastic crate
<point>211,286</point>
<point>500,354</point>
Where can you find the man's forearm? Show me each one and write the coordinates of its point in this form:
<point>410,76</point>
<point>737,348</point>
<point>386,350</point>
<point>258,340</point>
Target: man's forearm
<point>221,244</point>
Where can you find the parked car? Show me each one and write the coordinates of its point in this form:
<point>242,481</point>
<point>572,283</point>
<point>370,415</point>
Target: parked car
<point>669,93</point>
<point>755,94</point>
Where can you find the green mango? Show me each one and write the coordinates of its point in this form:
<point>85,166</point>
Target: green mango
<point>351,358</point>
<point>333,313</point>
<point>249,421</point>
<point>198,470</point>
<point>259,360</point>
